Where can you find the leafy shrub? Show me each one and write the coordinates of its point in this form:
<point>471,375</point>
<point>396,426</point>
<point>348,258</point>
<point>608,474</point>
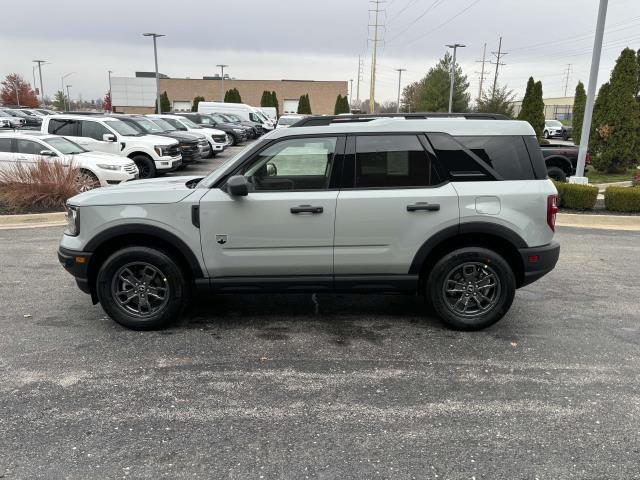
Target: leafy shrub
<point>578,197</point>
<point>622,199</point>
<point>43,186</point>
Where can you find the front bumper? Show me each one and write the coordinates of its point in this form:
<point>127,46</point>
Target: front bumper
<point>538,261</point>
<point>168,163</point>
<point>77,264</point>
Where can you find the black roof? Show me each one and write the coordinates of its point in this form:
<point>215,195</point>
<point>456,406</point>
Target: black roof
<point>320,120</point>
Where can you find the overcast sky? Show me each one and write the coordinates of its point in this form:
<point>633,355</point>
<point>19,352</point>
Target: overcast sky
<point>309,39</point>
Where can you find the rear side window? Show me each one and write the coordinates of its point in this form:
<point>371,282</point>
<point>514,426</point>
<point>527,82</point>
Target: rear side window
<point>63,127</point>
<point>507,155</point>
<point>5,144</point>
<point>93,130</point>
<point>457,161</point>
<point>393,161</point>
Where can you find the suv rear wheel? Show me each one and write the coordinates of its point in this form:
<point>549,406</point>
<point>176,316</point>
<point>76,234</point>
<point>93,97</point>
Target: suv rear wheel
<point>141,288</point>
<point>471,288</point>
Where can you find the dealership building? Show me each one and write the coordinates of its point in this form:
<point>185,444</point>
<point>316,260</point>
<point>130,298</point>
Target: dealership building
<point>138,94</point>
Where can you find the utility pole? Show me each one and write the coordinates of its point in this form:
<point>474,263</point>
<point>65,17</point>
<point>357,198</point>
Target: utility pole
<point>591,93</point>
<point>399,70</point>
<point>222,67</point>
<point>69,95</point>
<point>499,54</point>
<point>110,96</point>
<point>358,82</point>
<point>566,80</point>
<point>62,85</point>
<point>372,90</point>
<point>155,57</point>
<point>351,94</point>
<point>484,54</point>
<point>452,75</point>
<point>40,62</point>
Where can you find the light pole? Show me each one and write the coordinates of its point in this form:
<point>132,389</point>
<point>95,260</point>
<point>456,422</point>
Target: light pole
<point>155,56</point>
<point>62,85</point>
<point>351,94</point>
<point>591,93</point>
<point>222,67</point>
<point>40,62</point>
<point>15,87</point>
<point>455,47</point>
<point>110,96</point>
<point>69,95</point>
<point>399,70</point>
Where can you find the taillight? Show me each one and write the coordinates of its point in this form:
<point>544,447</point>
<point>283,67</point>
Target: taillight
<point>552,210</point>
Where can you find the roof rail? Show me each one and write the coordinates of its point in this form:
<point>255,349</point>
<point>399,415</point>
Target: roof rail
<point>321,120</point>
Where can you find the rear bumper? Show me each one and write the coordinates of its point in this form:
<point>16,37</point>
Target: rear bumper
<point>538,261</point>
<point>77,264</point>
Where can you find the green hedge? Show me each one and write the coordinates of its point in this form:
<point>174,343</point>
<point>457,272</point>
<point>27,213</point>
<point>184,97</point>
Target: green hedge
<point>622,199</point>
<point>578,197</point>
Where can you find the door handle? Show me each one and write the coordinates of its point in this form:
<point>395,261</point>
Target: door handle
<point>424,206</point>
<point>306,209</point>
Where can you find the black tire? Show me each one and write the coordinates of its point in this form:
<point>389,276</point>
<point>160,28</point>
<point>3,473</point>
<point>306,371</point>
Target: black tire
<point>232,141</point>
<point>141,262</point>
<point>565,136</point>
<point>146,166</point>
<point>483,260</point>
<point>546,134</point>
<point>213,154</point>
<point>557,174</point>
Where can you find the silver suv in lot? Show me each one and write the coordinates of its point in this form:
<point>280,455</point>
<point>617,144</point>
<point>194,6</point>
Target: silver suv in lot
<point>457,209</point>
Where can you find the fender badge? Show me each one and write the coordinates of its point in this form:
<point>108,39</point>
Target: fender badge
<point>221,239</point>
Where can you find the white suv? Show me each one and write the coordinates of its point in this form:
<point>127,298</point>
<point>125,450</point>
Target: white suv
<point>458,209</point>
<point>152,154</point>
<point>217,139</point>
<point>101,169</point>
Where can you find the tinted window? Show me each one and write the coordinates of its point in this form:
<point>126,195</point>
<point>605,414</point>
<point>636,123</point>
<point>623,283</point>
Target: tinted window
<point>5,144</point>
<point>63,127</point>
<point>93,130</point>
<point>29,147</point>
<point>507,155</point>
<point>460,165</point>
<point>393,161</point>
<point>297,164</point>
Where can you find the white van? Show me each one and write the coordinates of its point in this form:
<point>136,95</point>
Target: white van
<point>245,112</point>
<point>152,154</point>
<point>270,112</point>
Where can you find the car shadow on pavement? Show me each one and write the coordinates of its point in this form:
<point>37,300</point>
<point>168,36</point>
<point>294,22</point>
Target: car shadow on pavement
<point>344,318</point>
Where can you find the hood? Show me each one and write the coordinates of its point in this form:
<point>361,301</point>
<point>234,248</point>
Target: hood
<point>157,139</point>
<point>181,136</point>
<point>101,157</point>
<point>156,190</point>
<point>212,131</point>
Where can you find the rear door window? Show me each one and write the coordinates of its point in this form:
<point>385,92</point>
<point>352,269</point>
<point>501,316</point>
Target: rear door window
<point>29,147</point>
<point>461,164</point>
<point>63,127</point>
<point>507,155</point>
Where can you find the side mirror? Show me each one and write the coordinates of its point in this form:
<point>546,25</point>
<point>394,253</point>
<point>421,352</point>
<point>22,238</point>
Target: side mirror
<point>238,186</point>
<point>47,153</point>
<point>272,170</point>
<point>108,137</point>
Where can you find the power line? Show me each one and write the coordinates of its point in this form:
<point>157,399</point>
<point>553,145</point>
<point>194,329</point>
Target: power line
<point>395,15</point>
<point>418,18</point>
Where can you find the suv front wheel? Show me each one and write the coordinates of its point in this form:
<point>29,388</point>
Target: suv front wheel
<point>141,288</point>
<point>471,288</point>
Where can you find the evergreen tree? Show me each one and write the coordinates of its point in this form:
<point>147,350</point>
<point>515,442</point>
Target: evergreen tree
<point>228,96</point>
<point>60,101</point>
<point>196,101</point>
<point>266,100</point>
<point>525,108</point>
<point>579,102</point>
<point>232,96</point>
<point>537,109</point>
<point>304,105</point>
<point>619,127</point>
<point>346,106</point>
<point>237,97</point>
<point>431,94</point>
<point>340,106</point>
<point>274,99</point>
<point>500,102</point>
<point>165,104</point>
<point>596,142</point>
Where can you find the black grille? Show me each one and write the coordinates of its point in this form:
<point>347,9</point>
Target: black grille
<point>219,138</point>
<point>189,147</point>
<point>174,150</point>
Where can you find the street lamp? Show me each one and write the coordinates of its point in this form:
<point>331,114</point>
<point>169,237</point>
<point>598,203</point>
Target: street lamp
<point>155,57</point>
<point>455,47</point>
<point>40,62</point>
<point>62,85</point>
<point>68,95</point>
<point>222,67</point>
<point>110,96</point>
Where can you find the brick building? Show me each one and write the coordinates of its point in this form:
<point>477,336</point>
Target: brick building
<point>137,94</point>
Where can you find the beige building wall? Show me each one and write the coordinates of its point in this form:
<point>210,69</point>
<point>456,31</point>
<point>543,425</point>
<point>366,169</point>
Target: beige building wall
<point>322,94</point>
<point>554,107</point>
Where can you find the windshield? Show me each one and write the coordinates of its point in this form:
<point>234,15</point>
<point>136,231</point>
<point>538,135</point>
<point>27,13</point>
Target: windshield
<point>18,113</point>
<point>65,146</point>
<point>189,123</point>
<point>288,120</point>
<point>554,123</point>
<point>261,116</point>
<point>148,126</point>
<point>233,117</point>
<point>164,125</point>
<point>218,118</point>
<point>123,129</point>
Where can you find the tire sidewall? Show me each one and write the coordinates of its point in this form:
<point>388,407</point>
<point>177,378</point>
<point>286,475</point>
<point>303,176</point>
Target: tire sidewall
<point>147,162</point>
<point>173,273</point>
<point>471,254</point>
<point>562,176</point>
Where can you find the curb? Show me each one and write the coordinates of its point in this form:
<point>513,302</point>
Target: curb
<point>33,220</point>
<point>602,222</point>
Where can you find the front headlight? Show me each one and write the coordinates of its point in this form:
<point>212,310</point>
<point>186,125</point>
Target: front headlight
<point>73,221</point>
<point>104,166</point>
<point>162,150</point>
